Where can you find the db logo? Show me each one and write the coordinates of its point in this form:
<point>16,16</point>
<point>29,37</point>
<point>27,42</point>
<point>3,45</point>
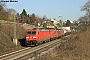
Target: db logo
<point>8,0</point>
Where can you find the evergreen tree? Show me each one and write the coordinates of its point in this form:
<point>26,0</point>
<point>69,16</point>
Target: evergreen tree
<point>28,19</point>
<point>17,16</point>
<point>24,15</point>
<point>33,18</point>
<point>68,23</point>
<point>24,12</point>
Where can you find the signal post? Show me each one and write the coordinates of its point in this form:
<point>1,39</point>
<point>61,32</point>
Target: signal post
<point>15,40</point>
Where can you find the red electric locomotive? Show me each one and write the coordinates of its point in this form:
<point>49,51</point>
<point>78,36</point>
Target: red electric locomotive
<point>37,36</point>
<point>60,33</point>
<point>53,34</point>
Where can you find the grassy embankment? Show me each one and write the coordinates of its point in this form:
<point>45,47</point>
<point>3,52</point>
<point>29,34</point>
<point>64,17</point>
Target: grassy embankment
<point>77,47</point>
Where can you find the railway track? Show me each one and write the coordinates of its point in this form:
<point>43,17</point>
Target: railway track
<point>30,52</point>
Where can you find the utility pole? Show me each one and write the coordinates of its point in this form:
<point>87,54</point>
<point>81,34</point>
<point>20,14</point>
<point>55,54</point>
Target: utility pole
<point>61,20</point>
<point>15,38</point>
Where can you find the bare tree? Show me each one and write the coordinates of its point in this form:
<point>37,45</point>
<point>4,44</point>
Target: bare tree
<point>44,17</point>
<point>3,13</point>
<point>2,5</point>
<point>11,13</point>
<point>86,8</point>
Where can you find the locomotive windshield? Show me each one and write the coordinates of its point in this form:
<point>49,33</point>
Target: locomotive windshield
<point>31,32</point>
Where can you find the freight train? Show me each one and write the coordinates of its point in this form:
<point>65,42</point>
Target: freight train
<point>39,35</point>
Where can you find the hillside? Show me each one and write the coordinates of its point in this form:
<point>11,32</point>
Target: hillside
<point>77,46</point>
<point>6,36</point>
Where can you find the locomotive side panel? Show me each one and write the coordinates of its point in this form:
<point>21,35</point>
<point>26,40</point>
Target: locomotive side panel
<point>44,35</point>
<point>53,34</point>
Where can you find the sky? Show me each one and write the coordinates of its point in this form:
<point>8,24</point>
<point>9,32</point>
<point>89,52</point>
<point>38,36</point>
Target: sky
<point>67,9</point>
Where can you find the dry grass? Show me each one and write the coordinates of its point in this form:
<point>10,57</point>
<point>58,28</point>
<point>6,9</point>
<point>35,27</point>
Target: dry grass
<point>6,36</point>
<point>76,48</point>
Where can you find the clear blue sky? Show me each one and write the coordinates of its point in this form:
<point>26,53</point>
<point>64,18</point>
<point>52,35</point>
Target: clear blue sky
<point>68,9</point>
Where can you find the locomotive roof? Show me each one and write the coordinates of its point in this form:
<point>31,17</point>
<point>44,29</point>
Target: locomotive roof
<point>37,28</point>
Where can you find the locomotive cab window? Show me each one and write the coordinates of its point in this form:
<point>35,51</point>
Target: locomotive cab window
<point>31,32</point>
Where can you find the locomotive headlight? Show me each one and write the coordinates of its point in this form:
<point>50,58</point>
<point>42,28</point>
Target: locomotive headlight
<point>27,37</point>
<point>34,36</point>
